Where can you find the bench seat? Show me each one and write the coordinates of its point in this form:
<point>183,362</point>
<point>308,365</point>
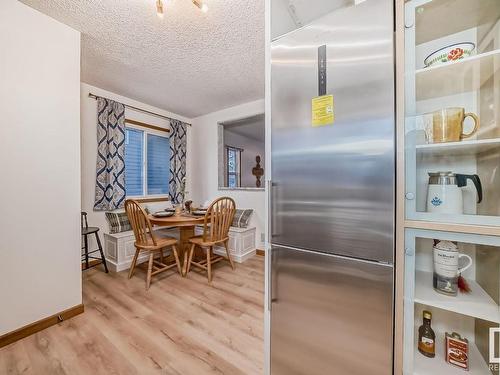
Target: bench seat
<point>241,243</point>
<point>119,247</point>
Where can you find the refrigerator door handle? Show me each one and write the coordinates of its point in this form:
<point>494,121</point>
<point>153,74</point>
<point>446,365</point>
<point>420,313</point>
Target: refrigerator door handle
<point>272,199</point>
<point>272,279</point>
<point>270,282</point>
<point>269,237</point>
<point>269,210</point>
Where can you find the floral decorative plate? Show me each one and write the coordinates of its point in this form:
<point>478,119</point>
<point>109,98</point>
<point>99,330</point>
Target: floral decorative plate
<point>163,214</point>
<point>453,52</point>
<point>199,212</point>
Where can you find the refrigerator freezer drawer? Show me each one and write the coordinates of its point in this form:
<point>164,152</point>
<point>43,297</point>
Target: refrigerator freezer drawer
<point>330,315</point>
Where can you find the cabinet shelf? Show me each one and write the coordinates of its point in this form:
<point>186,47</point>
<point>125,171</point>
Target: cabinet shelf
<point>458,77</point>
<point>472,147</point>
<point>438,364</point>
<point>477,304</point>
<point>436,19</point>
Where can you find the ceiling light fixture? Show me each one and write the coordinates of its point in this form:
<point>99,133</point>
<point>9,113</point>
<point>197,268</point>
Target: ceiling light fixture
<point>159,8</point>
<point>201,4</point>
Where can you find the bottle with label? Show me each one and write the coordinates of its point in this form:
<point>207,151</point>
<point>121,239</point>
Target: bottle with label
<point>427,337</point>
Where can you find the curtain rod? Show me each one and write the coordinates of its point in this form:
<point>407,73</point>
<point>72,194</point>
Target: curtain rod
<point>93,96</point>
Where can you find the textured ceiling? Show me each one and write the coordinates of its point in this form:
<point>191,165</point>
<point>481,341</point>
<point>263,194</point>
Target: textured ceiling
<point>189,62</point>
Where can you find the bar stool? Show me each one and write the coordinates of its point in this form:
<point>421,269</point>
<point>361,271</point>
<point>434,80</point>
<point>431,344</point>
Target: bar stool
<point>86,231</point>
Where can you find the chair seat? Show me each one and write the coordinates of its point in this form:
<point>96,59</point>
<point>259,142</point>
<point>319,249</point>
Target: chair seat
<point>160,243</point>
<point>89,230</point>
<point>198,240</point>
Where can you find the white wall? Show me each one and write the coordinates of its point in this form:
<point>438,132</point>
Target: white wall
<point>251,148</point>
<point>205,168</point>
<point>89,144</point>
<point>40,162</point>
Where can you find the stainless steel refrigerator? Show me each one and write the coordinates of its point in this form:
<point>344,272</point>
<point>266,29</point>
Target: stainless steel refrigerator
<point>332,195</point>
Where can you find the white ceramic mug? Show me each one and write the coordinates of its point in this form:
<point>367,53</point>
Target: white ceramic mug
<point>448,266</point>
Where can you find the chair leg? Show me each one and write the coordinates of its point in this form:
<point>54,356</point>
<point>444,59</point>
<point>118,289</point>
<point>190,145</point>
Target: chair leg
<point>86,247</point>
<point>185,262</point>
<point>177,261</point>
<point>162,256</point>
<point>189,257</point>
<point>229,255</point>
<point>103,258</point>
<point>209,264</point>
<point>134,261</point>
<point>150,269</point>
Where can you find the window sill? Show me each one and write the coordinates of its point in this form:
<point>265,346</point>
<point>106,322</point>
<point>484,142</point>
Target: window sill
<point>242,188</point>
<point>151,198</point>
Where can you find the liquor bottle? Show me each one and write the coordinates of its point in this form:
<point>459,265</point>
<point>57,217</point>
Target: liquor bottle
<point>427,337</point>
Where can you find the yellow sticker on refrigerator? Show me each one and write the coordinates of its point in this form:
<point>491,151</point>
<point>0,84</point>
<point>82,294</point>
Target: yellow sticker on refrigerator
<point>322,111</point>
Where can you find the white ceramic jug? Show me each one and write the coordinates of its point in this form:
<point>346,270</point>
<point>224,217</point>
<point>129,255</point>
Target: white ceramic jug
<point>444,194</point>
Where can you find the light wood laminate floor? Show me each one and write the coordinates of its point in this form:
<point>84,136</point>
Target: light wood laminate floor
<point>180,326</point>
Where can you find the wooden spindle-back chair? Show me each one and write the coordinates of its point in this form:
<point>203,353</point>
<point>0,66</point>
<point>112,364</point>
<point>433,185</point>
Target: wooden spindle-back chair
<point>218,220</point>
<point>146,240</point>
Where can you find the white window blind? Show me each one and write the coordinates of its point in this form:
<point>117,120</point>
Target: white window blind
<point>134,156</point>
<point>233,156</point>
<point>147,163</point>
<point>158,164</point>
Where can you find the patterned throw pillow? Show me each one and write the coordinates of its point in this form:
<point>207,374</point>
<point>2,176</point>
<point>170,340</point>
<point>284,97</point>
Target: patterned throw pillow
<point>241,218</point>
<point>118,222</point>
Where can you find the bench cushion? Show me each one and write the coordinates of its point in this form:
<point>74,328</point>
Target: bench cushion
<point>118,222</point>
<point>242,218</point>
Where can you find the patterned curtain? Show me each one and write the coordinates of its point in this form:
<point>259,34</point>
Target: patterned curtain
<point>178,141</point>
<point>110,169</point>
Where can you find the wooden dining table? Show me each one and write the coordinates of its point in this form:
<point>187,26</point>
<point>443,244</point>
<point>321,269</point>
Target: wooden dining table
<point>185,222</point>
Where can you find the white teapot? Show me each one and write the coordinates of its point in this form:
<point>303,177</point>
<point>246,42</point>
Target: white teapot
<point>444,194</point>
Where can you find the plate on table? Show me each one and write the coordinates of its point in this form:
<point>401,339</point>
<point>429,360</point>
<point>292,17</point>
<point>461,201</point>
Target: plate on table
<point>163,214</point>
<point>170,209</point>
<point>199,212</point>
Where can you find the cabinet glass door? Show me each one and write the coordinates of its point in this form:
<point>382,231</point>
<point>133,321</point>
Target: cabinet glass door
<point>452,104</point>
<point>469,306</point>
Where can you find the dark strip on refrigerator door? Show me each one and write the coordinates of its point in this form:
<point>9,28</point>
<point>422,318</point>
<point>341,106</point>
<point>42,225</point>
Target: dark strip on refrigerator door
<point>322,70</point>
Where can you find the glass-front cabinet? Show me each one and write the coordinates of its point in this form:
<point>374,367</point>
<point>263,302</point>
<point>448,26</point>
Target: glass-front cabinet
<point>452,187</point>
<point>452,104</point>
<point>454,277</point>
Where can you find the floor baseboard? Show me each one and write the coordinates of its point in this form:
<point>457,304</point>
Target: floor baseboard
<point>40,325</point>
<point>92,263</point>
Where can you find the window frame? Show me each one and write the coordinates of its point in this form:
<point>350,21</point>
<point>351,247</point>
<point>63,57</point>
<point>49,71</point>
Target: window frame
<point>236,174</point>
<point>145,132</point>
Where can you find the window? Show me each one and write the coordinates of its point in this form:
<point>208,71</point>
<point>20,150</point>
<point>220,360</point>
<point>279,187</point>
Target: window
<point>239,143</point>
<point>147,163</point>
<point>233,167</point>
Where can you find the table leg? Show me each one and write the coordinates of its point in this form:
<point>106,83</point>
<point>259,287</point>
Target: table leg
<point>185,234</point>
